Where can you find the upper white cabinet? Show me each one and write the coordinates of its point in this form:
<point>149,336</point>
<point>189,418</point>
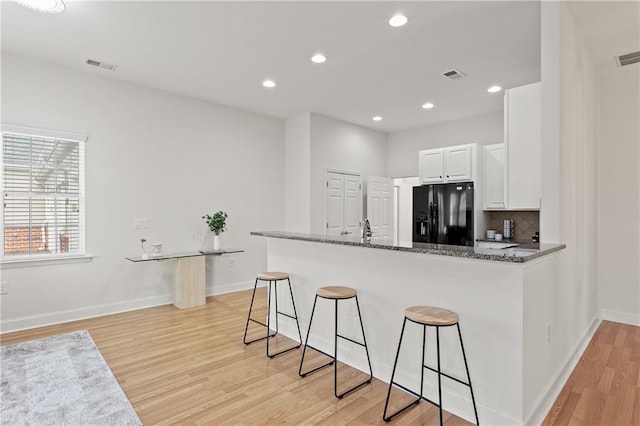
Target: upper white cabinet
<point>431,166</point>
<point>457,163</point>
<point>450,164</point>
<point>522,106</point>
<point>495,184</point>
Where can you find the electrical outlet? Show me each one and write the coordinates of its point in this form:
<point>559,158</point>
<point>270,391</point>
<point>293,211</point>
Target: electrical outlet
<point>548,333</point>
<point>232,261</point>
<point>141,223</point>
<point>4,287</point>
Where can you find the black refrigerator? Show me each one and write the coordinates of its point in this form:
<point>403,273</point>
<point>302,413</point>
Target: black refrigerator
<point>443,214</point>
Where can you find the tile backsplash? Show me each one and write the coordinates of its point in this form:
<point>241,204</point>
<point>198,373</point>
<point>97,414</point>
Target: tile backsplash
<point>525,224</point>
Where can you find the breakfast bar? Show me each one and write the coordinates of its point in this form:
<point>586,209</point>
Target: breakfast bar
<point>505,299</point>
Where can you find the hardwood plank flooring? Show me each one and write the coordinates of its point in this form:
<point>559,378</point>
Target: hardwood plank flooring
<point>604,388</point>
<point>190,367</point>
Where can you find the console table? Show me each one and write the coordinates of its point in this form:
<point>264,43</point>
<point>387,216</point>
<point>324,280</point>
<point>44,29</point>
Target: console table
<point>189,275</point>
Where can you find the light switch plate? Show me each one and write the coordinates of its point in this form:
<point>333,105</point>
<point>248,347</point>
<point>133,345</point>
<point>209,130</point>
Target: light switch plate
<point>4,287</point>
<point>141,223</point>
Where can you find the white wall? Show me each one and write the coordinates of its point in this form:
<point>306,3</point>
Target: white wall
<point>550,115</point>
<point>297,163</point>
<point>618,195</point>
<point>343,146</point>
<point>150,154</point>
<point>568,294</point>
<point>403,146</point>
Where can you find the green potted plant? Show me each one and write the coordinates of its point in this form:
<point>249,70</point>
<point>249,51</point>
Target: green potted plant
<point>217,223</point>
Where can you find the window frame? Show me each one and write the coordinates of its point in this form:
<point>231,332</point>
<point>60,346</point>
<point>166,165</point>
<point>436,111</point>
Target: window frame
<point>32,259</point>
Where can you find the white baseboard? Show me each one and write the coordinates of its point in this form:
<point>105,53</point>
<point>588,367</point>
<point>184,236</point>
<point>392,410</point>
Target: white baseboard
<point>550,394</point>
<point>229,288</point>
<point>60,317</point>
<point>618,316</point>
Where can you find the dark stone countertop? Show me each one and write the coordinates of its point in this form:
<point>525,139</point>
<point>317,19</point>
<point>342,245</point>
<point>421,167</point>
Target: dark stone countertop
<point>522,253</point>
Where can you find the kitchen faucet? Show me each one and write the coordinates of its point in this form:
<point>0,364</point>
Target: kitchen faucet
<point>366,229</point>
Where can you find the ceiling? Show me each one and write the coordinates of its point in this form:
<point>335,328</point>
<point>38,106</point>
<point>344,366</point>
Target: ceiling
<point>609,28</point>
<point>222,51</point>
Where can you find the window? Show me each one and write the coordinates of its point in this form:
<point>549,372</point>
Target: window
<point>43,194</point>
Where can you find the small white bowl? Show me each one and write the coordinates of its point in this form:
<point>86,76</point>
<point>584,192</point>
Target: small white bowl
<point>498,237</point>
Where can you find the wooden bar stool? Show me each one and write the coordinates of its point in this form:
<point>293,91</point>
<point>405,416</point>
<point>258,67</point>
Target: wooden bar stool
<point>429,316</point>
<point>336,293</point>
<point>272,277</point>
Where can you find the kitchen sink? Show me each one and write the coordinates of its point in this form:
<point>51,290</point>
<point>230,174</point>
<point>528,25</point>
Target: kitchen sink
<point>495,245</point>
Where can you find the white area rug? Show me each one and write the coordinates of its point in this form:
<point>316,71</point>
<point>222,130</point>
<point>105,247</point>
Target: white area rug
<point>61,380</point>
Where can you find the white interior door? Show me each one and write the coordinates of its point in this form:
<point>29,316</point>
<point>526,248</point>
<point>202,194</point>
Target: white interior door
<point>380,207</point>
<point>334,206</point>
<point>352,204</point>
<point>343,204</point>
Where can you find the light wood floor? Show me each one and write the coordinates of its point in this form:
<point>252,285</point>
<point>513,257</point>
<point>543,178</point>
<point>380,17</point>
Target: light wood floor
<point>604,388</point>
<point>191,367</point>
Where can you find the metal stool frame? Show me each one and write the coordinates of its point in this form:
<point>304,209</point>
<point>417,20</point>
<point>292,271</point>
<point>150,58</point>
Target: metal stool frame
<point>438,370</point>
<point>268,324</point>
<point>335,355</point>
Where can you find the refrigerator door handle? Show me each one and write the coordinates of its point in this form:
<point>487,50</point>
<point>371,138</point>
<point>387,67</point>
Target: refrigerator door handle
<point>436,223</point>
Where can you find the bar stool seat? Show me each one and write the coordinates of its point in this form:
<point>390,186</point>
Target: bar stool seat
<point>429,316</point>
<point>272,278</point>
<point>336,293</point>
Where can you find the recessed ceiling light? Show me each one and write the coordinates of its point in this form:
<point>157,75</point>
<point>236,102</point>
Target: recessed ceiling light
<point>318,58</point>
<point>43,6</point>
<point>494,89</point>
<point>398,20</point>
<point>269,84</point>
<point>428,105</point>
<point>377,118</point>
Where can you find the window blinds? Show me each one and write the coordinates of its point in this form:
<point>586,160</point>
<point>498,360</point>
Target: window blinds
<point>42,185</point>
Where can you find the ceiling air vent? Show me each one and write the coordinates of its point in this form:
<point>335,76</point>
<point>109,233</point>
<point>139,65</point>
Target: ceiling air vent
<point>102,65</point>
<point>453,74</point>
<point>628,59</point>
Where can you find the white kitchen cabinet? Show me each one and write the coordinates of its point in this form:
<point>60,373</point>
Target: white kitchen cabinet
<point>449,164</point>
<point>495,177</point>
<point>431,166</point>
<point>457,163</point>
<point>522,106</point>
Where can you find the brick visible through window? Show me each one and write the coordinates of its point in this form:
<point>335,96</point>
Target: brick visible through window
<point>43,195</point>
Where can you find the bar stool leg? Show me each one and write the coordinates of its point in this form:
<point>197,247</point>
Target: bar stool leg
<point>295,313</point>
<point>335,351</point>
<point>306,341</point>
<point>358,386</point>
<point>269,315</point>
<point>424,348</point>
<point>275,291</point>
<point>439,374</point>
<point>475,411</point>
<point>391,383</point>
<point>364,339</point>
<point>246,328</point>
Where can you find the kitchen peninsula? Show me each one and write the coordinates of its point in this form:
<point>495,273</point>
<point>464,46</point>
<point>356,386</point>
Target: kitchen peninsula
<point>505,299</point>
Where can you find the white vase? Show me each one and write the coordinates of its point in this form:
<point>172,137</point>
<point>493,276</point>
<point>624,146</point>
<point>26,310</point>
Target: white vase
<point>216,242</point>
